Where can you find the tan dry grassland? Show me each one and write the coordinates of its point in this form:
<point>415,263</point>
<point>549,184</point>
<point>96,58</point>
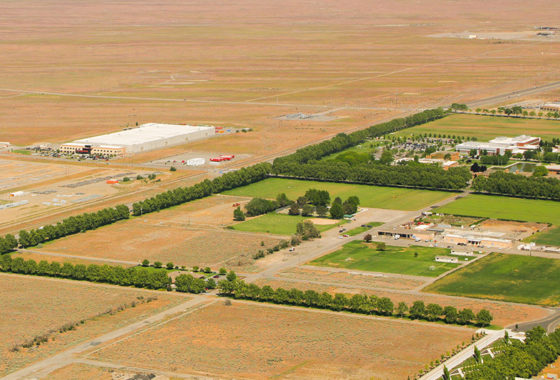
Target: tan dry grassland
<point>189,235</point>
<point>33,306</point>
<point>286,343</point>
<point>244,63</point>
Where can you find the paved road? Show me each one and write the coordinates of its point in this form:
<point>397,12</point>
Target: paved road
<point>515,94</point>
<point>549,323</point>
<point>467,353</point>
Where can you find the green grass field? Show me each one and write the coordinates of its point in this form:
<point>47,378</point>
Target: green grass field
<point>549,237</point>
<point>497,207</point>
<point>359,230</point>
<point>498,276</point>
<point>370,196</point>
<point>363,256</point>
<point>278,224</point>
<point>486,127</point>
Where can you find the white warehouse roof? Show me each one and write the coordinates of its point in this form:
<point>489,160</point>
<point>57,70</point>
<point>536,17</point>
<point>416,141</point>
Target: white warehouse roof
<point>145,133</point>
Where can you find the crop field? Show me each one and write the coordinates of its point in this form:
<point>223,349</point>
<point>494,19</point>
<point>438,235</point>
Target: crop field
<point>136,240</point>
<point>33,306</point>
<point>485,128</point>
<point>497,207</point>
<point>413,260</point>
<point>216,341</point>
<point>549,237</point>
<point>280,224</point>
<point>514,278</point>
<point>370,196</point>
<point>504,314</point>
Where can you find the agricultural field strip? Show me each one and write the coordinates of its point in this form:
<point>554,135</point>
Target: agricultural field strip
<point>44,367</point>
<point>366,272</point>
<point>182,100</point>
<point>501,276</point>
<point>49,253</point>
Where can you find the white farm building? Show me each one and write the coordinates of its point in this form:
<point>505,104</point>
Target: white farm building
<point>146,137</point>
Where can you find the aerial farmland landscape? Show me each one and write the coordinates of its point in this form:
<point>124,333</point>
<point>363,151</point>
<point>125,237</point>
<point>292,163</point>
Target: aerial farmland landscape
<point>310,189</point>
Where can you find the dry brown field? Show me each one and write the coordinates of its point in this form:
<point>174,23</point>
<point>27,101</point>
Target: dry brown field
<point>76,371</point>
<point>352,279</point>
<point>286,343</point>
<point>19,174</point>
<point>189,235</point>
<point>246,63</point>
<point>36,214</point>
<point>64,193</point>
<point>33,306</point>
<point>504,314</point>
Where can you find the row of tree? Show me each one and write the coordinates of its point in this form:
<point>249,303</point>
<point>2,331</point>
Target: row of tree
<point>518,185</point>
<point>343,141</point>
<point>358,303</point>
<point>68,226</point>
<point>517,359</point>
<point>180,195</point>
<point>73,225</point>
<point>410,174</point>
<point>139,277</point>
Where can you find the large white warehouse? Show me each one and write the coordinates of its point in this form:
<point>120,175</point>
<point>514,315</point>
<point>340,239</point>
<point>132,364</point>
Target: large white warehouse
<point>144,138</point>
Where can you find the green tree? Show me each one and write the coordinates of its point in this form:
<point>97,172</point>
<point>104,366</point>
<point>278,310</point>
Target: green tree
<point>386,157</point>
<point>417,310</point>
<point>336,211</point>
<point>238,215</point>
<point>231,276</point>
<point>294,209</point>
<point>307,210</point>
<point>540,171</point>
<point>484,317</point>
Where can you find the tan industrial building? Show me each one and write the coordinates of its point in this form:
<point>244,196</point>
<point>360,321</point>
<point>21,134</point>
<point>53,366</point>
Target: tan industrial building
<point>144,138</point>
<point>102,150</point>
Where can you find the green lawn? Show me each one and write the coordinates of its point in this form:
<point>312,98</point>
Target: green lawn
<point>496,207</point>
<point>364,256</point>
<point>370,196</point>
<point>359,230</point>
<point>486,127</point>
<point>498,276</point>
<point>22,151</point>
<point>279,224</point>
<point>549,237</point>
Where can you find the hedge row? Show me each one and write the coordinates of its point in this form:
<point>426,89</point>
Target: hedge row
<point>358,303</point>
<point>518,185</point>
<point>136,276</point>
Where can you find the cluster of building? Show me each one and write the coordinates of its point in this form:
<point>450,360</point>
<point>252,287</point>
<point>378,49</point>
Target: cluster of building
<point>450,236</point>
<point>501,145</point>
<point>144,138</point>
